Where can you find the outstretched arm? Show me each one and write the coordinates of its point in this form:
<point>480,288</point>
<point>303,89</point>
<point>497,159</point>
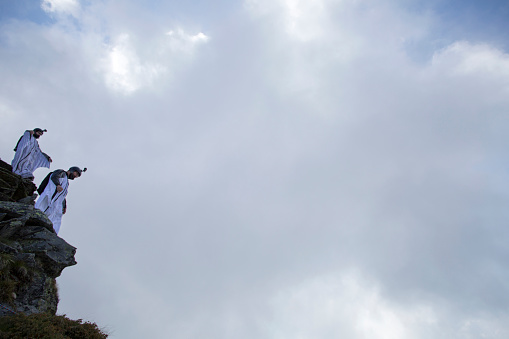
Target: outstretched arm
<point>47,157</point>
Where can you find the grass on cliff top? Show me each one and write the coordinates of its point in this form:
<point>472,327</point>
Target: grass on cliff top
<point>47,326</point>
<point>13,275</point>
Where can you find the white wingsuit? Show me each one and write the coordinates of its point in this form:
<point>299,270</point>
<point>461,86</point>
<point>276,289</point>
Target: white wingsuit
<point>29,156</point>
<point>52,202</point>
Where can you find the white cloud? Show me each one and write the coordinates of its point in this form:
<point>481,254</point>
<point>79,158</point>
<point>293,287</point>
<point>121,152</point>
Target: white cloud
<point>303,20</point>
<point>348,305</point>
<point>183,41</point>
<point>464,58</point>
<point>127,71</point>
<point>345,306</point>
<point>71,7</point>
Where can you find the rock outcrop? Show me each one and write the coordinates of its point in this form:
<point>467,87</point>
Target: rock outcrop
<point>32,256</point>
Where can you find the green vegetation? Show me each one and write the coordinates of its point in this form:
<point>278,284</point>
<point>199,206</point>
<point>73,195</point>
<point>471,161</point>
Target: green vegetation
<point>47,326</point>
<point>13,274</point>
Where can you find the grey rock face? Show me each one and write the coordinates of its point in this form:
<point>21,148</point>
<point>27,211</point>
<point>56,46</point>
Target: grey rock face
<point>52,251</point>
<point>12,186</point>
<point>31,254</point>
<point>17,215</point>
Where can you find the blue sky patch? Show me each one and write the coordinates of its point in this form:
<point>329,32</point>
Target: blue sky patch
<point>23,10</point>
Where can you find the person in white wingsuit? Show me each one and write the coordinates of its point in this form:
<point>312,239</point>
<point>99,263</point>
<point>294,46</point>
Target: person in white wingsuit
<point>29,156</point>
<point>53,191</point>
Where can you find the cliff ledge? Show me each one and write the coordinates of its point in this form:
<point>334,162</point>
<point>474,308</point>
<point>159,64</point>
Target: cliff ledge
<point>32,256</point>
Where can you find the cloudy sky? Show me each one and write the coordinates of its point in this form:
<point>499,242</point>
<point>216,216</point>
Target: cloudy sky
<point>281,169</point>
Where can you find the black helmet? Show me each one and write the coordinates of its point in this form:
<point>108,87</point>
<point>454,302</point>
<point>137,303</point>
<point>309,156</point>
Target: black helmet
<point>77,169</point>
<point>36,130</point>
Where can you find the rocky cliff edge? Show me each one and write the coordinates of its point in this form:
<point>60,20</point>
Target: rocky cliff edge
<point>32,256</point>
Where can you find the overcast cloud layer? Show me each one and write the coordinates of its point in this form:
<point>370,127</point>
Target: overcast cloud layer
<point>271,168</point>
